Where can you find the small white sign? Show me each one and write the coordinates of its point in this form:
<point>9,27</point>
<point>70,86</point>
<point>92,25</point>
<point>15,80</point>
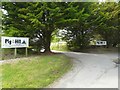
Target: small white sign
<point>101,43</point>
<point>14,42</point>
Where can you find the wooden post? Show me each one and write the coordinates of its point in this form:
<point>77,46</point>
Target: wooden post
<point>26,51</point>
<point>15,53</point>
<point>2,54</point>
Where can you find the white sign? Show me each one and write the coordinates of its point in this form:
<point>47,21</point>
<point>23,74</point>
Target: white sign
<point>14,42</point>
<point>101,43</point>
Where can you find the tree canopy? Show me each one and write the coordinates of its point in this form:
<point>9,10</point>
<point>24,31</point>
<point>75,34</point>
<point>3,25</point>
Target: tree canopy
<point>35,20</point>
<point>82,21</point>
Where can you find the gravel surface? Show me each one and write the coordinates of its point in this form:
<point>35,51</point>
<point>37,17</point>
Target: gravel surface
<point>90,71</point>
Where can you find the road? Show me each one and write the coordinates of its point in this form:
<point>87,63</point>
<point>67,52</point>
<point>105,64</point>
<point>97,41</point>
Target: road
<point>90,71</point>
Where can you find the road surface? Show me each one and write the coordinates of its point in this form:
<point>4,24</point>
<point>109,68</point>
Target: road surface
<point>90,71</point>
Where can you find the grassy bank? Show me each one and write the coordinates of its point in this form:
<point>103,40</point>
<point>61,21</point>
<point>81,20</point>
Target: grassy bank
<point>34,72</point>
<point>9,54</point>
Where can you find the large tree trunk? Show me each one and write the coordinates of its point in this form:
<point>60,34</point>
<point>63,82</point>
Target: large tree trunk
<point>47,42</point>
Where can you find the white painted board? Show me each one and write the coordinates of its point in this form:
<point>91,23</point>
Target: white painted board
<point>14,42</point>
<point>101,43</point>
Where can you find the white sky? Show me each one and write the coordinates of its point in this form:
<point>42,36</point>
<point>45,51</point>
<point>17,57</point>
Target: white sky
<point>101,0</point>
<point>4,11</point>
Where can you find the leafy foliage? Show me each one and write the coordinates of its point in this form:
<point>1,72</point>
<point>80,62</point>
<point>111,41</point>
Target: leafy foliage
<point>35,20</point>
<point>106,22</point>
<point>83,21</point>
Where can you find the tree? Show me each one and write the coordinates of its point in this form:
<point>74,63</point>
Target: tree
<point>79,32</point>
<point>92,20</point>
<point>106,21</point>
<point>36,20</point>
<point>0,24</point>
<point>82,21</point>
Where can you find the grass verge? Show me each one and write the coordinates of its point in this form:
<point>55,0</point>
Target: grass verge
<point>34,72</point>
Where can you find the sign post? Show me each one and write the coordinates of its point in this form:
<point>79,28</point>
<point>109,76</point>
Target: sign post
<point>2,54</point>
<point>14,42</point>
<point>15,53</point>
<point>26,52</point>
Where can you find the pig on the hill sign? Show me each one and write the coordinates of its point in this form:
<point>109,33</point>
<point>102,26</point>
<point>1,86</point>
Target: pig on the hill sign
<point>14,42</point>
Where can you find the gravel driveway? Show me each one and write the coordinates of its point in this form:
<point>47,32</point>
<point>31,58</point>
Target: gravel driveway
<point>90,71</point>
